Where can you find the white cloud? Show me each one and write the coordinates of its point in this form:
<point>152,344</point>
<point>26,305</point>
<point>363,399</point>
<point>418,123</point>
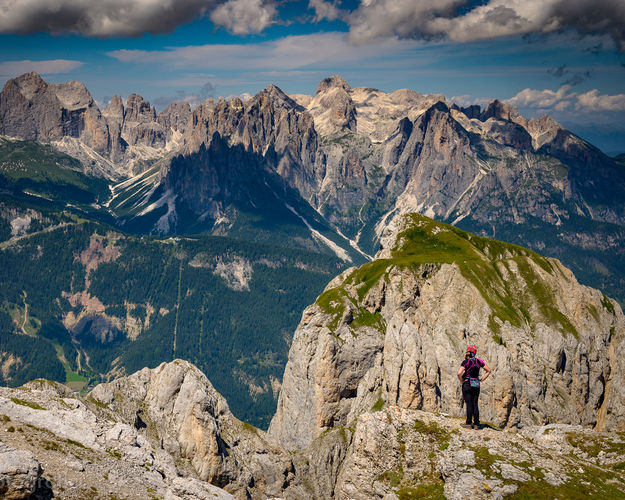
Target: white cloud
<point>193,98</point>
<point>288,53</point>
<point>9,69</point>
<point>101,18</point>
<point>565,99</point>
<point>242,17</point>
<point>326,10</point>
<point>497,18</point>
<point>594,101</point>
<point>403,18</point>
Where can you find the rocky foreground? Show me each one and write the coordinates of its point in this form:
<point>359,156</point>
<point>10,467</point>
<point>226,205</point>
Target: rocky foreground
<point>165,433</point>
<point>370,404</point>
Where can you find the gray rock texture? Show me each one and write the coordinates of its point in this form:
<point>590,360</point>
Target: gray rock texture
<point>19,473</point>
<point>193,422</point>
<point>386,452</point>
<point>395,331</point>
<point>190,441</point>
<point>118,140</point>
<point>416,454</point>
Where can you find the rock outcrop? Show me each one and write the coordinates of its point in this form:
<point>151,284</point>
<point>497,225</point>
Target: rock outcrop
<point>164,431</point>
<point>192,421</point>
<point>394,331</point>
<point>413,454</point>
<point>174,118</point>
<point>19,473</point>
<point>31,108</point>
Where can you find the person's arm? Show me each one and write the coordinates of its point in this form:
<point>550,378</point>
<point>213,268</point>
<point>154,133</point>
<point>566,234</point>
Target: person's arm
<point>486,372</point>
<point>461,374</point>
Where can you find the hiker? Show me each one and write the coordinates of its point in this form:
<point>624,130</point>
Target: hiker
<point>469,376</point>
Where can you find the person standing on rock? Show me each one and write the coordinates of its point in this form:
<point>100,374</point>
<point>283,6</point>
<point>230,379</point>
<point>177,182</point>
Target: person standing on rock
<point>469,376</point>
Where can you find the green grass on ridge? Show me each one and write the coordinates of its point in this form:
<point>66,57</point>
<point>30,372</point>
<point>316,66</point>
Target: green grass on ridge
<point>507,276</point>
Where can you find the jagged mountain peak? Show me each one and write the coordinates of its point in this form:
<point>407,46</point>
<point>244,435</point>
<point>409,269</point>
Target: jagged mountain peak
<point>499,110</point>
<point>138,109</point>
<point>28,83</point>
<point>115,108</point>
<point>72,95</point>
<point>335,81</point>
<point>274,96</point>
<point>440,106</point>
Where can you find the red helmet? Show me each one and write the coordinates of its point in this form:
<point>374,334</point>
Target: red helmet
<point>472,349</point>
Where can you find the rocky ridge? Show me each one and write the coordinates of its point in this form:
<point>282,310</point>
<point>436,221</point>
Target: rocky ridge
<point>393,331</point>
<point>149,444</point>
<point>358,157</point>
<point>128,439</point>
<point>361,157</point>
<point>114,143</point>
<point>369,406</point>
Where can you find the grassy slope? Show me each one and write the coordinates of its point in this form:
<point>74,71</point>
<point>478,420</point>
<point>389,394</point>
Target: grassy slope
<point>524,298</point>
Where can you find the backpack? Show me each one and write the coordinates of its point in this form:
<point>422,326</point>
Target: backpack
<point>472,363</point>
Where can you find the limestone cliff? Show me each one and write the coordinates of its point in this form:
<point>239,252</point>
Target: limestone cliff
<point>394,332</point>
<point>164,432</point>
<point>112,143</point>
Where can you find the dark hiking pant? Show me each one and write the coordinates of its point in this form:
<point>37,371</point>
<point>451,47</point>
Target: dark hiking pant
<point>471,396</point>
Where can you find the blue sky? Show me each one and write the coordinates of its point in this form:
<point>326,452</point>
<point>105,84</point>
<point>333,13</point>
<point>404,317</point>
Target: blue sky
<point>561,57</point>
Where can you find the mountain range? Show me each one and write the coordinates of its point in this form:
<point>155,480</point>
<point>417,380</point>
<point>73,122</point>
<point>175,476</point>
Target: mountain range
<point>141,225</point>
<point>328,172</point>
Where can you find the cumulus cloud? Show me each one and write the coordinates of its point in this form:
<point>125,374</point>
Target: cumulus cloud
<point>326,10</point>
<point>288,53</point>
<point>565,99</point>
<point>242,17</point>
<point>101,18</point>
<point>449,19</point>
<point>10,69</point>
<point>572,78</point>
<point>193,98</point>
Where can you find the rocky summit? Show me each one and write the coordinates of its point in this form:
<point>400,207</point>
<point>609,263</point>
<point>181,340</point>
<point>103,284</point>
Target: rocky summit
<point>370,403</point>
<point>393,332</point>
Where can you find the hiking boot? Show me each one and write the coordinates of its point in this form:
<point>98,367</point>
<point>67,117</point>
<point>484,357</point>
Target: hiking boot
<point>466,426</point>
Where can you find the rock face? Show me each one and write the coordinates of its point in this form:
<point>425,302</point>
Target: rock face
<point>174,118</point>
<point>394,332</point>
<point>164,431</point>
<point>30,108</point>
<point>19,473</point>
<point>67,116</point>
<point>193,422</point>
<point>271,125</point>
